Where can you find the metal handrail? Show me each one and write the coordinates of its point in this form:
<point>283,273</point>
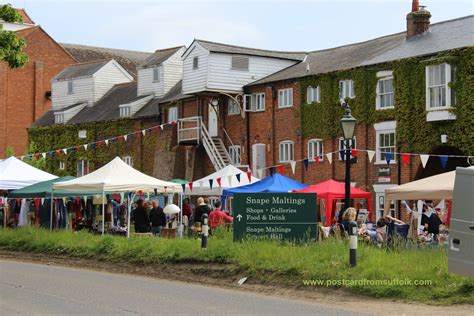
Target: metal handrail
<point>231,143</point>
<point>212,147</point>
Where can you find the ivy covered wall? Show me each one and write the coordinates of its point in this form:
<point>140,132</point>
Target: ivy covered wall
<point>414,133</point>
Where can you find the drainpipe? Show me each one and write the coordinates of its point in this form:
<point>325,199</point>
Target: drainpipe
<point>273,125</point>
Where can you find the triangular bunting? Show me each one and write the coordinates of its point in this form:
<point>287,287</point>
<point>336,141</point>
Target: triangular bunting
<point>293,166</point>
<point>210,183</point>
<point>280,169</point>
<point>424,159</point>
<point>329,156</point>
<point>405,159</point>
<point>306,163</point>
<point>58,152</point>
<point>354,152</point>
<point>370,154</point>
<point>36,156</point>
<point>106,142</point>
<point>219,182</point>
<point>65,151</point>
<point>444,161</point>
<point>85,147</point>
<point>78,148</point>
<point>161,126</point>
<point>190,184</point>
<point>183,186</point>
<point>272,171</point>
<point>316,159</point>
<point>260,173</point>
<point>137,134</point>
<point>125,137</point>
<point>342,154</point>
<point>143,132</point>
<point>22,157</point>
<point>388,157</point>
<point>44,155</point>
<point>238,177</point>
<point>249,176</point>
<point>93,146</point>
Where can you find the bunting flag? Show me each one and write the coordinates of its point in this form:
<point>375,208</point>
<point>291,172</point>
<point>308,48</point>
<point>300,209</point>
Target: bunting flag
<point>210,183</point>
<point>22,157</point>
<point>444,161</point>
<point>229,180</point>
<point>190,184</point>
<point>125,137</point>
<point>388,157</point>
<point>293,166</point>
<point>424,159</point>
<point>140,194</point>
<point>117,197</point>
<point>280,169</point>
<point>51,153</point>
<point>143,132</point>
<point>44,155</point>
<point>316,159</point>
<point>272,171</point>
<point>137,134</point>
<point>58,152</point>
<point>238,177</point>
<point>78,148</point>
<point>306,164</point>
<point>329,156</point>
<point>114,139</point>
<point>405,159</point>
<point>122,195</point>
<point>249,176</point>
<point>260,173</point>
<point>370,154</point>
<point>106,142</point>
<point>36,156</point>
<point>354,152</point>
<point>72,150</point>
<point>93,146</point>
<point>85,147</point>
<point>161,126</point>
<point>219,182</point>
<point>183,185</point>
<point>342,154</point>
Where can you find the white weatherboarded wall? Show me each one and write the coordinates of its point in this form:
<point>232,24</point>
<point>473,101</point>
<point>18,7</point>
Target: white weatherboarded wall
<point>108,76</point>
<point>83,92</point>
<point>145,83</point>
<point>223,77</point>
<point>194,80</point>
<point>173,70</point>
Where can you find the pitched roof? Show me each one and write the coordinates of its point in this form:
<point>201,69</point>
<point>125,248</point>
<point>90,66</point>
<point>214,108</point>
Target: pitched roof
<point>441,36</point>
<point>26,18</point>
<point>80,70</point>
<point>48,117</point>
<point>159,56</point>
<point>128,59</point>
<point>232,49</point>
<point>152,107</point>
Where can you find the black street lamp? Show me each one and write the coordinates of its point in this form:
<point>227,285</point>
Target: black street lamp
<point>348,123</point>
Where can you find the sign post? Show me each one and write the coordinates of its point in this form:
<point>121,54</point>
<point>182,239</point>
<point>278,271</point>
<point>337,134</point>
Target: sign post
<point>276,216</point>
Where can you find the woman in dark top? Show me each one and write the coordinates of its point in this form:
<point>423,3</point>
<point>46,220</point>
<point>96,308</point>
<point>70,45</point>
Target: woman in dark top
<point>201,209</point>
<point>142,221</point>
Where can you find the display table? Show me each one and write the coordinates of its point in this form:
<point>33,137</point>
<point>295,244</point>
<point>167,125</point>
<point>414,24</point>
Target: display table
<point>168,232</point>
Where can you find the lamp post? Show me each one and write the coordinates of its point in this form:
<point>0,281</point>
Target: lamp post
<point>348,123</point>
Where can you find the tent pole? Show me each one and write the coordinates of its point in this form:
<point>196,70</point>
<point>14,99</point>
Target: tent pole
<point>103,211</point>
<point>129,209</point>
<point>51,212</point>
<point>181,226</point>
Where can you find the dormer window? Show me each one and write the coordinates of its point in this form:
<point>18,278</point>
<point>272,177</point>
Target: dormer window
<point>59,118</point>
<point>70,87</point>
<point>156,74</point>
<point>125,111</point>
<point>240,63</point>
<point>196,62</point>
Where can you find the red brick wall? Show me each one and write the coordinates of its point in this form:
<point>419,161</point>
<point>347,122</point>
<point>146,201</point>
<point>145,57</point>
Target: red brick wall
<point>22,91</point>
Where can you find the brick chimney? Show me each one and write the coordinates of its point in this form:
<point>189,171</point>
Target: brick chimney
<point>418,20</point>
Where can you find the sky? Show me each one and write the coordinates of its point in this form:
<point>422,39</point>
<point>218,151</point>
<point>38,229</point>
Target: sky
<point>298,25</point>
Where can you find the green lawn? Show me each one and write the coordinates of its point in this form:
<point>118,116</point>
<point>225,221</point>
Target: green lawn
<point>286,263</point>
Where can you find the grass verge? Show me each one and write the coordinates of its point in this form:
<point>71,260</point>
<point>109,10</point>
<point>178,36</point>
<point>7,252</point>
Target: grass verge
<point>319,264</point>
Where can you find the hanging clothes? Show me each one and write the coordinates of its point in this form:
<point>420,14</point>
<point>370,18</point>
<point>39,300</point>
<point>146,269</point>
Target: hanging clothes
<point>23,216</point>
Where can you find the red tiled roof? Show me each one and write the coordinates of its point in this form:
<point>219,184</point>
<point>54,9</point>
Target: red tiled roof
<point>25,16</point>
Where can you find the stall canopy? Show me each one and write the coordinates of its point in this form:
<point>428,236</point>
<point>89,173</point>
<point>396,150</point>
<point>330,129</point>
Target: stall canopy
<point>15,174</point>
<point>329,191</point>
<point>229,177</point>
<point>274,183</point>
<point>43,190</point>
<point>437,187</point>
<point>116,176</point>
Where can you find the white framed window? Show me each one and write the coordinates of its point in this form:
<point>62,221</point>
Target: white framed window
<point>385,92</point>
<point>342,145</point>
<point>62,165</point>
<point>235,154</point>
<point>82,168</point>
<point>128,160</point>
<point>315,149</point>
<point>380,206</point>
<point>59,118</point>
<point>196,62</point>
<point>240,63</point>
<point>258,102</point>
<point>233,107</point>
<point>125,111</point>
<point>346,89</point>
<point>172,114</point>
<point>285,98</point>
<point>385,140</point>
<point>439,94</point>
<point>286,151</point>
<point>70,87</point>
<point>313,94</point>
<point>156,74</point>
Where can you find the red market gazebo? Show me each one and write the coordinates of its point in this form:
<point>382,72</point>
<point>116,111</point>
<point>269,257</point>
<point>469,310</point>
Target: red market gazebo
<point>330,191</point>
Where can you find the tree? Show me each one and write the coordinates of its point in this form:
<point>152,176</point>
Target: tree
<point>11,46</point>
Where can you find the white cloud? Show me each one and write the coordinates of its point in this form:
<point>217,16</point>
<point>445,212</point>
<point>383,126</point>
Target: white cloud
<point>165,25</point>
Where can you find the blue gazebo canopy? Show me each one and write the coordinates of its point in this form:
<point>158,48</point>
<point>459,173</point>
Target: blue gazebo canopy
<point>275,183</point>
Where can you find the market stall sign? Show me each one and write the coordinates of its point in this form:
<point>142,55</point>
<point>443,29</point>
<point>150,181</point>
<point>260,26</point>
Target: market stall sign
<point>278,216</point>
<point>384,175</point>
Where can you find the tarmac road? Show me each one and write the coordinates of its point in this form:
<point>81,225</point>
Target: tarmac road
<point>34,289</point>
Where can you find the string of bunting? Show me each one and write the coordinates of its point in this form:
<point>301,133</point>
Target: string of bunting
<point>92,146</point>
<point>219,181</point>
<point>389,156</point>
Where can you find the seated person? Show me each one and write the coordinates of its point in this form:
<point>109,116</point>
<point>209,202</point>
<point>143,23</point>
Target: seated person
<point>430,220</point>
<point>348,216</point>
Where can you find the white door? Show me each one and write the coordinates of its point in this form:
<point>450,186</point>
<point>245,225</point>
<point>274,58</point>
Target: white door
<point>259,159</point>
<point>213,123</point>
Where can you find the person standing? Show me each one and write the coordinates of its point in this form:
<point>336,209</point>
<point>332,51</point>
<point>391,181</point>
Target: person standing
<point>218,217</point>
<point>157,218</point>
<point>142,221</point>
<point>201,209</point>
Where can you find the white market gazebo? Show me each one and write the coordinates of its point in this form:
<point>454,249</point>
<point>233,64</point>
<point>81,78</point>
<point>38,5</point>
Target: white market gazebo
<point>117,176</point>
<point>16,174</point>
